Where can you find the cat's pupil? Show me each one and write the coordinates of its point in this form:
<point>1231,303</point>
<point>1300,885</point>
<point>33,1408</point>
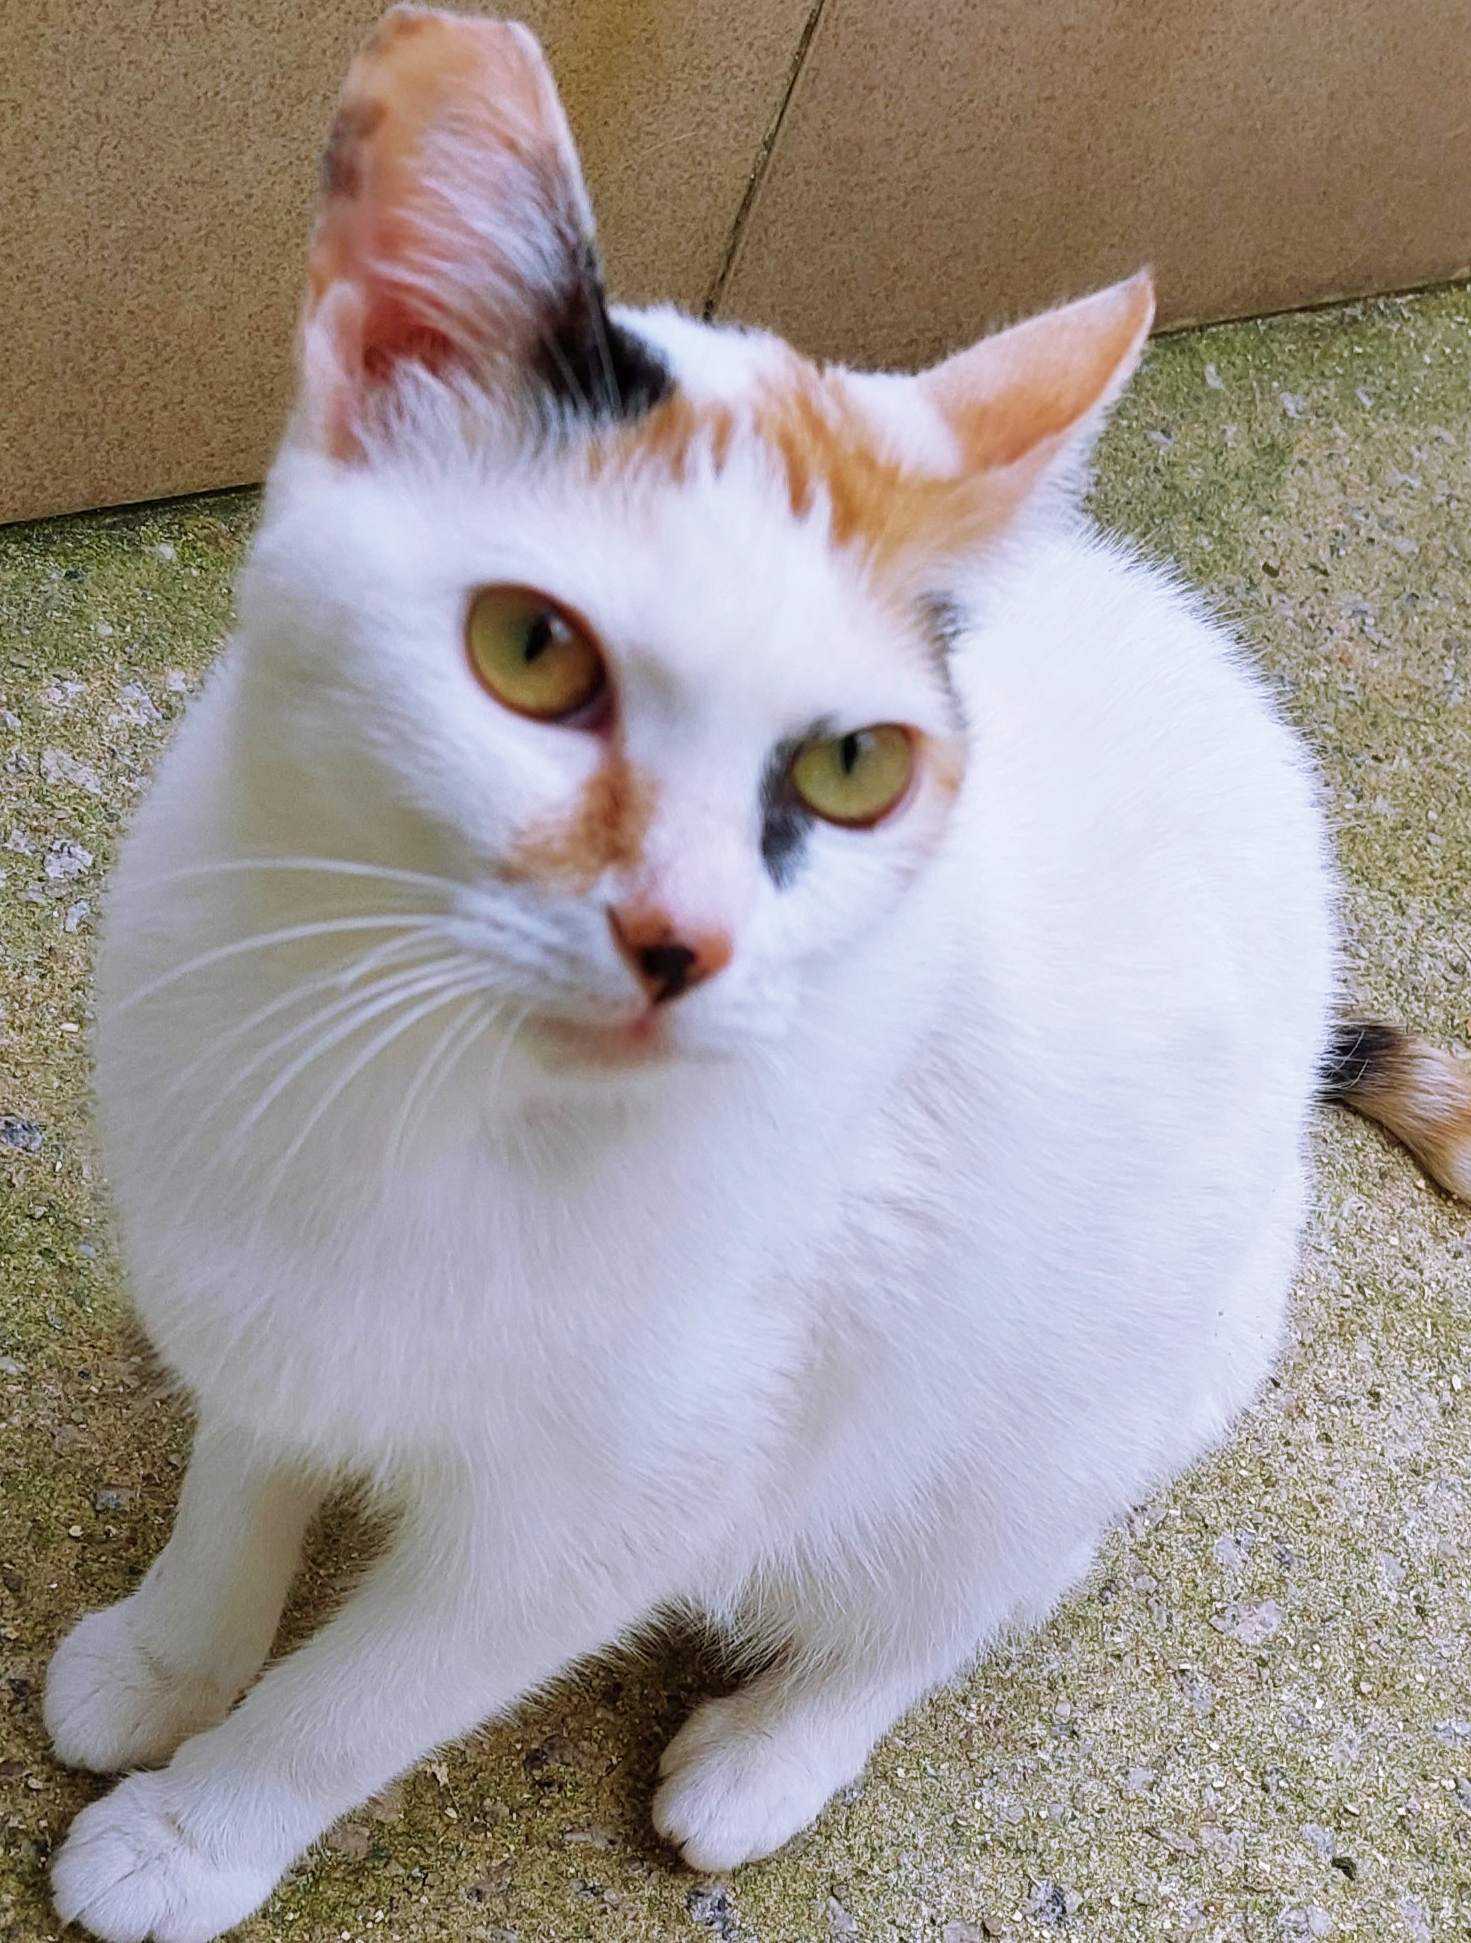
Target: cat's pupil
<point>849,752</point>
<point>538,639</point>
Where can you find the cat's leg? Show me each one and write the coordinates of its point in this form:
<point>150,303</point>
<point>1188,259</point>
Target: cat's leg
<point>750,1770</point>
<point>444,1632</point>
<point>128,1685</point>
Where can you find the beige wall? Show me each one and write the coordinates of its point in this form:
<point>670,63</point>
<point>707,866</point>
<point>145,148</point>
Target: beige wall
<point>940,164</point>
<point>957,161</point>
<point>158,161</point>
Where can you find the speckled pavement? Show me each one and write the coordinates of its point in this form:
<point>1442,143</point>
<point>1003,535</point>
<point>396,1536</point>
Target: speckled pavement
<point>1255,1720</point>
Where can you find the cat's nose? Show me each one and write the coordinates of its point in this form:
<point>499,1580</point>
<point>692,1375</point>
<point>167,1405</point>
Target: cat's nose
<point>665,958</point>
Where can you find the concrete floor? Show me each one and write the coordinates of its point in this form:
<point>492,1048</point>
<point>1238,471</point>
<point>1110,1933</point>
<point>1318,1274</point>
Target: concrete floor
<point>1255,1721</point>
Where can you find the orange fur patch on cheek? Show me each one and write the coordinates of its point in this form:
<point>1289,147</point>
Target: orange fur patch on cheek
<point>604,830</point>
<point>944,758</point>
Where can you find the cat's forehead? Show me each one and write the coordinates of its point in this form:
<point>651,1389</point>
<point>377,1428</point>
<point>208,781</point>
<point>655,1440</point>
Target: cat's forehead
<point>767,508</point>
<point>862,464</point>
<point>735,536</point>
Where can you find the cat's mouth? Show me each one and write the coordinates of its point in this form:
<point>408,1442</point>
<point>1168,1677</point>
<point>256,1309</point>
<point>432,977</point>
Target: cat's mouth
<point>631,1042</point>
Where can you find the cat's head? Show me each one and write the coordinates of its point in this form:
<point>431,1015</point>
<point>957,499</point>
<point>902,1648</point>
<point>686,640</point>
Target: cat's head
<point>638,630</point>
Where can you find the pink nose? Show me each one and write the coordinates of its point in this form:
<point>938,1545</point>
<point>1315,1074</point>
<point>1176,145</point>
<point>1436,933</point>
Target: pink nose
<point>664,960</point>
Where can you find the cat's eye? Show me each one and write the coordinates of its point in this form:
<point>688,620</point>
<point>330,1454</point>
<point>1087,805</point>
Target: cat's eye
<point>857,778</point>
<point>532,655</point>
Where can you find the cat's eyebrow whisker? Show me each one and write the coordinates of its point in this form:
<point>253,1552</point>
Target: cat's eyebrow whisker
<point>612,390</point>
<point>264,940</point>
<point>565,370</point>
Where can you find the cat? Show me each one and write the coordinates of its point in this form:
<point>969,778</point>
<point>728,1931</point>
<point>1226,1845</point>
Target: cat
<point>718,1000</point>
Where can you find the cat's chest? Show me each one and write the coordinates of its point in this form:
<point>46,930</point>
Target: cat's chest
<point>483,1307</point>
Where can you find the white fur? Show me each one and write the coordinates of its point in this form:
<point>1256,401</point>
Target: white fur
<point>960,1213</point>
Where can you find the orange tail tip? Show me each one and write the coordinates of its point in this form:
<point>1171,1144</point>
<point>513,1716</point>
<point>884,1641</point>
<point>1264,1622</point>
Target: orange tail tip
<point>1421,1094</point>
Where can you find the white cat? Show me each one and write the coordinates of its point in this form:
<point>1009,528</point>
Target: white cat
<point>717,998</point>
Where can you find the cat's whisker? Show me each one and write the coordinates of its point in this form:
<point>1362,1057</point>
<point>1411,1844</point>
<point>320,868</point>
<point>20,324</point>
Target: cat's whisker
<point>410,986</point>
<point>391,993</point>
<point>301,865</point>
<point>461,988</point>
<point>337,979</point>
<point>453,1043</point>
<point>265,940</point>
<point>397,984</point>
<point>504,1053</point>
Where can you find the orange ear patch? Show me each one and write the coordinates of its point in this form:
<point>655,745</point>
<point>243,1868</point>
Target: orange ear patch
<point>453,216</point>
<point>605,830</point>
<point>1015,394</point>
<point>421,72</point>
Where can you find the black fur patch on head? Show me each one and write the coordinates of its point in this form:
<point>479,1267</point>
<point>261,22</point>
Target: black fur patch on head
<point>945,622</point>
<point>1360,1057</point>
<point>342,160</point>
<point>592,364</point>
<point>945,619</point>
<point>785,819</point>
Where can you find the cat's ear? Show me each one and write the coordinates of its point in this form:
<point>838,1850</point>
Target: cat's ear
<point>455,235</point>
<point>1022,400</point>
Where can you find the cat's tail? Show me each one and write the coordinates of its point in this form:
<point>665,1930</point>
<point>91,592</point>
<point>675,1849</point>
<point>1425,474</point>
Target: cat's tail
<point>1422,1095</point>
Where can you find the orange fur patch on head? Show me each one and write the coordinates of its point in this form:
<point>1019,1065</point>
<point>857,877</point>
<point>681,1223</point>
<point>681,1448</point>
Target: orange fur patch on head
<point>831,460</point>
<point>668,443</point>
<point>604,830</point>
<point>834,458</point>
<point>1009,404</point>
<point>944,761</point>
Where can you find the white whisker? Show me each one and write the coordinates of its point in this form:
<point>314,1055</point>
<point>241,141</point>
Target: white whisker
<point>405,982</point>
<point>325,866</point>
<point>395,1030</point>
<point>450,1045</point>
<point>403,987</point>
<point>505,1051</point>
<point>263,940</point>
<point>338,979</point>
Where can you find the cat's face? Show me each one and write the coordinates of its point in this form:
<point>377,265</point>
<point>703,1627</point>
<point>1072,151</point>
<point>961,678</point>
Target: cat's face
<point>636,631</point>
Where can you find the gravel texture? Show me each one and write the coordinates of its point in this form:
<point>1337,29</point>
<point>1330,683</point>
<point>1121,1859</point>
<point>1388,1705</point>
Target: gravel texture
<point>1255,1721</point>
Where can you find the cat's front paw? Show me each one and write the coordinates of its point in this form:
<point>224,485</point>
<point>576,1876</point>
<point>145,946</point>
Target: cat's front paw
<point>127,1872</point>
<point>743,1776</point>
<point>111,1705</point>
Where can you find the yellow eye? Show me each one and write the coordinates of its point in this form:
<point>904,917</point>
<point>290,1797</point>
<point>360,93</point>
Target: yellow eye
<point>855,778</point>
<point>532,655</point>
